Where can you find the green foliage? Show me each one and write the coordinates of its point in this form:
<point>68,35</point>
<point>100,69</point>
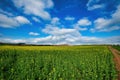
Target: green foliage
<point>116,47</point>
<point>56,63</point>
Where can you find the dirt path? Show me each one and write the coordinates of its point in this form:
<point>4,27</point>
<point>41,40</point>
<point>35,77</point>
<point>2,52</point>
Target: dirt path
<point>116,54</point>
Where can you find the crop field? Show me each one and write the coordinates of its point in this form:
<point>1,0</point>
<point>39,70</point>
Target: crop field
<point>56,63</point>
<point>116,47</point>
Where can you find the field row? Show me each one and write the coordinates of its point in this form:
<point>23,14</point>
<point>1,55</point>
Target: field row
<point>56,63</point>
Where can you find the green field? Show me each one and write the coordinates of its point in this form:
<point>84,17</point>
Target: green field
<point>56,63</point>
<point>116,47</point>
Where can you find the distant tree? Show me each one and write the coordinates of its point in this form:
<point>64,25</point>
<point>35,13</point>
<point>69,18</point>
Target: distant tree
<point>21,44</point>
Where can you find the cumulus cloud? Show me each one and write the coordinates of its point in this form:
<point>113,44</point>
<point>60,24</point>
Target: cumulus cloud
<point>35,7</point>
<point>57,31</point>
<point>107,25</point>
<point>11,22</point>
<point>33,34</point>
<point>61,35</point>
<point>93,4</point>
<point>7,22</point>
<point>84,22</point>
<point>22,20</point>
<point>69,18</point>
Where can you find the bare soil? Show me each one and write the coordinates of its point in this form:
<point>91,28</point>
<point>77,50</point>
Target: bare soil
<point>116,54</point>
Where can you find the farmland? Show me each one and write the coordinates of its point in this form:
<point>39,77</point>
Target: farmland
<point>56,63</point>
<point>116,47</point>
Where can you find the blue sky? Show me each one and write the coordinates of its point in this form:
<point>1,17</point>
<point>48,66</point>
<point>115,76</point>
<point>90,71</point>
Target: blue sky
<point>60,21</point>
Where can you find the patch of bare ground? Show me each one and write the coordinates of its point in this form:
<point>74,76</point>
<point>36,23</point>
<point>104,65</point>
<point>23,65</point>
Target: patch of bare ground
<point>116,54</point>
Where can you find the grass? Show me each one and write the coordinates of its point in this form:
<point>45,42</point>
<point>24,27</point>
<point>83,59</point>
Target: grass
<point>56,63</point>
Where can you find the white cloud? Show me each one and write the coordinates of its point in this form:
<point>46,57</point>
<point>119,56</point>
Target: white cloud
<point>11,22</point>
<point>110,29</point>
<point>57,35</point>
<point>65,40</point>
<point>93,4</point>
<point>22,20</point>
<point>35,7</point>
<point>96,7</point>
<point>80,28</point>
<point>61,35</point>
<point>7,22</point>
<point>81,24</point>
<point>8,40</point>
<point>59,31</point>
<point>55,21</point>
<point>33,34</point>
<point>84,22</point>
<point>36,19</point>
<point>107,25</point>
<point>69,18</point>
<point>44,40</point>
<point>97,40</point>
<point>71,36</point>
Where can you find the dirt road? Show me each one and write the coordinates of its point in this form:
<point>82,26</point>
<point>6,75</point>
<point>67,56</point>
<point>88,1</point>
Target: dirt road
<point>116,54</point>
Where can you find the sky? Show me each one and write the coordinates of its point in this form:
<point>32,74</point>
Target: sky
<point>52,22</point>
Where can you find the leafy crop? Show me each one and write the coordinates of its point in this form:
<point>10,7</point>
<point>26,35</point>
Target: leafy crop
<point>56,63</point>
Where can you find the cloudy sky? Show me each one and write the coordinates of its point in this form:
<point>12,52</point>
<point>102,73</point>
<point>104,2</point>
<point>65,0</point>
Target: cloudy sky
<point>60,21</point>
